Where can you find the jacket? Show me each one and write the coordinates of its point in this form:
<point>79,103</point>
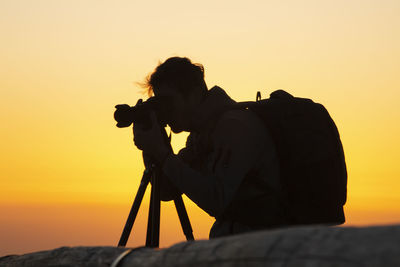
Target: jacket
<point>229,168</point>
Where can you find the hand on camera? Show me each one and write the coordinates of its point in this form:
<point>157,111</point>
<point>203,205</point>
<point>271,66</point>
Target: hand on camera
<point>152,141</point>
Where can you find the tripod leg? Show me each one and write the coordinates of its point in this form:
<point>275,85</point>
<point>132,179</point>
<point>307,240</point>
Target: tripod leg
<point>135,208</point>
<point>149,235</point>
<point>153,225</point>
<point>184,218</point>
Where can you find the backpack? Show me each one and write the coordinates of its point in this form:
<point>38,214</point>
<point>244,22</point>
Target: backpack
<point>312,163</point>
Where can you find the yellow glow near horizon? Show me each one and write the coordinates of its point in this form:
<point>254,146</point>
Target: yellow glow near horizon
<point>65,64</point>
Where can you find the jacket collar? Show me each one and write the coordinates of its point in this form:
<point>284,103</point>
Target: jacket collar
<point>214,103</point>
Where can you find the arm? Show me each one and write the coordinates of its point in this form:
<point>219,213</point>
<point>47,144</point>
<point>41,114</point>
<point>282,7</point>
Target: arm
<point>238,145</point>
<point>155,148</point>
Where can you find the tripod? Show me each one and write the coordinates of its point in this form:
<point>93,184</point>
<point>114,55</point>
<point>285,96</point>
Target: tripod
<point>153,224</point>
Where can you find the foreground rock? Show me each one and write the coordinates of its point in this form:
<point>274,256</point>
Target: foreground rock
<point>301,246</point>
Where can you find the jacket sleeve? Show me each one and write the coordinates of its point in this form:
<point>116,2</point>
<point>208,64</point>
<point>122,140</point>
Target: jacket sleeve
<point>238,145</point>
<point>169,191</point>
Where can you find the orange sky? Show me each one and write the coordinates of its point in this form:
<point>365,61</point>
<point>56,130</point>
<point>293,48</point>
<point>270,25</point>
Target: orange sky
<point>68,175</point>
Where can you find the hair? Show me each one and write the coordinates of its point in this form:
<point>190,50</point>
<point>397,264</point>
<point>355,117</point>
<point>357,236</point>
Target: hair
<point>178,72</point>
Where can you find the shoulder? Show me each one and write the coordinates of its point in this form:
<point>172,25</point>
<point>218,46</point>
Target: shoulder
<point>242,118</point>
<point>241,124</point>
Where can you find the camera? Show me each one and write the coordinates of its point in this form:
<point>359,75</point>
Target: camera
<point>125,115</point>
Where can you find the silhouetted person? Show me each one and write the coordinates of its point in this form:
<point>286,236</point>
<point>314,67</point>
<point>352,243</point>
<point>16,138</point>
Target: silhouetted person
<point>229,158</point>
<point>230,166</point>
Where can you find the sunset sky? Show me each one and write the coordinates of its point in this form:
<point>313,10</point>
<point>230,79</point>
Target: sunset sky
<point>68,176</point>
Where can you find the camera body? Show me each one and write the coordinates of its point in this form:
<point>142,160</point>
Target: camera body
<point>125,115</point>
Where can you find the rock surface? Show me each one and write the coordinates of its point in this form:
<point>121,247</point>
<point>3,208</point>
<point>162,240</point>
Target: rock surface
<point>299,246</point>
